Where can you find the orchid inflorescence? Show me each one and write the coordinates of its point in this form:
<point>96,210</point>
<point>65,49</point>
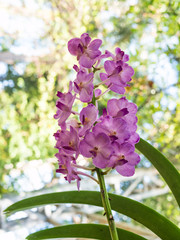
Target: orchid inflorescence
<point>108,139</point>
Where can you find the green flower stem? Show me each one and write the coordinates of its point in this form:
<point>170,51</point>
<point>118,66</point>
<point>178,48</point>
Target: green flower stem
<point>106,205</point>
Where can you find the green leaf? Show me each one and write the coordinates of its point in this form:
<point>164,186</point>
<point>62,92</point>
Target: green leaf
<point>91,231</point>
<point>157,223</point>
<point>163,165</point>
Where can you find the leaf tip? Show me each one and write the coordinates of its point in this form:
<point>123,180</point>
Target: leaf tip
<point>33,236</point>
<point>7,212</point>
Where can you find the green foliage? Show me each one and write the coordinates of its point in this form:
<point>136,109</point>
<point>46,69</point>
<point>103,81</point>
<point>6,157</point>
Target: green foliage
<point>89,231</point>
<point>28,103</point>
<point>30,110</point>
<point>166,205</point>
<point>137,211</point>
<point>144,30</point>
<point>26,123</point>
<point>157,223</point>
<point>163,165</point>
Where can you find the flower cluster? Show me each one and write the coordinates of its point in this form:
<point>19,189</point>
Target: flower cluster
<point>109,140</point>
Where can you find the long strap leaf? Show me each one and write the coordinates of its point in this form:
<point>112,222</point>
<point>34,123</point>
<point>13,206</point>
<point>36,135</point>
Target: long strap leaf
<point>90,231</point>
<point>157,223</point>
<point>163,165</point>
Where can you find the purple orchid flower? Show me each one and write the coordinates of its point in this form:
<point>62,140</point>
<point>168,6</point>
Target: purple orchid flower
<point>88,117</point>
<point>120,55</point>
<point>85,49</point>
<point>66,168</point>
<point>73,123</point>
<point>122,108</point>
<point>68,141</point>
<point>124,159</point>
<point>64,106</point>
<point>115,128</point>
<point>134,138</point>
<point>108,139</point>
<point>97,92</point>
<point>84,86</point>
<point>98,147</point>
<point>117,75</point>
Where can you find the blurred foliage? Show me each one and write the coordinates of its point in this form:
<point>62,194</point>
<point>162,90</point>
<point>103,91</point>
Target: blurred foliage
<point>165,205</point>
<point>149,31</point>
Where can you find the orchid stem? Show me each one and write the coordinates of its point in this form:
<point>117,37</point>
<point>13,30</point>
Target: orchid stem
<point>87,175</point>
<point>82,167</point>
<point>108,170</point>
<point>74,112</point>
<point>103,93</point>
<point>103,82</point>
<point>106,205</point>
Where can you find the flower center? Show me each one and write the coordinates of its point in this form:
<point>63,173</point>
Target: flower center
<point>94,151</point>
<point>86,121</point>
<point>80,85</point>
<point>113,133</point>
<point>63,167</point>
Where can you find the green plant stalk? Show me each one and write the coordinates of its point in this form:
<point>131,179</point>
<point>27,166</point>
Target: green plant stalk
<point>106,205</point>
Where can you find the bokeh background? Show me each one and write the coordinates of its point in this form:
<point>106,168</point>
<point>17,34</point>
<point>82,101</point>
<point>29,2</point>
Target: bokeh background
<point>35,63</point>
